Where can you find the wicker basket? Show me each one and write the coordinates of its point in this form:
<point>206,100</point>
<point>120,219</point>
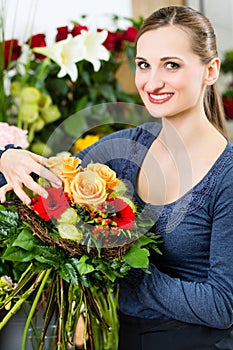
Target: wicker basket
<point>72,247</point>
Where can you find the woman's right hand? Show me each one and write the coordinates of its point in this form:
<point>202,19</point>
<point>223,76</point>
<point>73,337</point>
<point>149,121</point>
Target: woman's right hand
<point>16,165</point>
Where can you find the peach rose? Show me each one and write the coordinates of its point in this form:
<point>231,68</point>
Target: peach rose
<point>107,174</point>
<point>88,189</point>
<point>55,163</point>
<point>70,167</point>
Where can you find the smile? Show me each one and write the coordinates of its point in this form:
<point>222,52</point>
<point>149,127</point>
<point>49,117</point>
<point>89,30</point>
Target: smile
<point>160,98</point>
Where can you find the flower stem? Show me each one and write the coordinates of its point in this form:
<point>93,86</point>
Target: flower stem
<point>43,276</point>
<point>19,303</point>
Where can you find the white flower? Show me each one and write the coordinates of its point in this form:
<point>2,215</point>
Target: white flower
<point>85,46</point>
<point>93,50</point>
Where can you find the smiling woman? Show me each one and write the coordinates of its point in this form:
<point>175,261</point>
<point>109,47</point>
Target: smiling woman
<point>180,171</point>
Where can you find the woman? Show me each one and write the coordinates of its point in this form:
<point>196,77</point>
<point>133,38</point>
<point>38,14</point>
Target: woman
<point>182,172</point>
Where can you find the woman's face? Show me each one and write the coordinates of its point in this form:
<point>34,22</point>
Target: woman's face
<point>169,76</point>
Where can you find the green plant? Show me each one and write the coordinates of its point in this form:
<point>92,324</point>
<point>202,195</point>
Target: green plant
<point>227,68</point>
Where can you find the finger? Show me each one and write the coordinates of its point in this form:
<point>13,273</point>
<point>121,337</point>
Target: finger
<point>3,190</point>
<point>35,187</point>
<point>47,174</point>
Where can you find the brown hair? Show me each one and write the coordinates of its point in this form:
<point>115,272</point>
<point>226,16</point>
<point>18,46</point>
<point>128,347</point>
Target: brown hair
<point>203,43</point>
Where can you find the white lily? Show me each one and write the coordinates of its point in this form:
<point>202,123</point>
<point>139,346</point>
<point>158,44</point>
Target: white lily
<point>93,50</point>
<point>85,46</point>
<point>65,53</point>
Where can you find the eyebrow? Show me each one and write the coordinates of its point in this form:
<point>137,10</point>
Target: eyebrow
<point>161,59</point>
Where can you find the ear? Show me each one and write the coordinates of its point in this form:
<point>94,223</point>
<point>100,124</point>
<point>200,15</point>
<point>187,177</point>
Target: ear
<point>212,71</point>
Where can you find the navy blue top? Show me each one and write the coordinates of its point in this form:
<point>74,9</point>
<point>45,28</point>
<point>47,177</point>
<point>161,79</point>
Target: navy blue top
<point>193,279</point>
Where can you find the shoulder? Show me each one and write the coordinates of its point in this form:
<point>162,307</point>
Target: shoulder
<point>135,133</point>
<point>122,141</point>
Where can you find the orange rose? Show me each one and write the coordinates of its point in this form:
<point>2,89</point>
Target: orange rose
<point>88,189</point>
<point>107,174</point>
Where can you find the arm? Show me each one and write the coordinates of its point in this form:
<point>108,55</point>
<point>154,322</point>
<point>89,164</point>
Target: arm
<point>16,166</point>
<point>209,302</point>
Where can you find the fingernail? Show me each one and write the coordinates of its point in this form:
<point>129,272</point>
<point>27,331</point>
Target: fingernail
<point>44,194</point>
<point>27,201</point>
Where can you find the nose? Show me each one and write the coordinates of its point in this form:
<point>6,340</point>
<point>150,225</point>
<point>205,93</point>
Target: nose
<point>154,82</point>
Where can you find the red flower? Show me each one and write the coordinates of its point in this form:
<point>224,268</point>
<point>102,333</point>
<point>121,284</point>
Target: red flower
<point>62,33</point>
<point>12,51</point>
<point>52,206</point>
<point>113,41</point>
<point>124,214</point>
<point>130,34</point>
<point>77,29</point>
<point>37,40</point>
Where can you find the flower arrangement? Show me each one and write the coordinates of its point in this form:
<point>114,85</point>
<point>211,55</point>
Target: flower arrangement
<point>76,245</point>
<point>44,84</point>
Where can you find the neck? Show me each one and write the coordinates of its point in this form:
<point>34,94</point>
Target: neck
<point>187,133</point>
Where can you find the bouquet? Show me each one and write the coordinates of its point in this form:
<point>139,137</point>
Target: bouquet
<point>76,245</point>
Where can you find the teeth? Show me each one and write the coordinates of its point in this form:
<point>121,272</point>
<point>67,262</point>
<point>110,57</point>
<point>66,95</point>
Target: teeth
<point>160,97</point>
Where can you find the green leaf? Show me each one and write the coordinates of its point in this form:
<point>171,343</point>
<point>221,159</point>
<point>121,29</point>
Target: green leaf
<point>18,254</point>
<point>137,257</point>
<point>68,273</point>
<point>142,241</point>
<point>49,255</point>
<point>25,240</point>
<point>83,267</point>
<point>8,218</point>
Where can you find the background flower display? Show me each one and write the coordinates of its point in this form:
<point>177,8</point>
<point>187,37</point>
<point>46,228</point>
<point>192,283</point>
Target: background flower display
<point>42,84</point>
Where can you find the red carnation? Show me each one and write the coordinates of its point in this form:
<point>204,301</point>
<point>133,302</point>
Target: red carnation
<point>52,206</point>
<point>124,214</point>
<point>62,33</point>
<point>37,40</point>
<point>12,51</point>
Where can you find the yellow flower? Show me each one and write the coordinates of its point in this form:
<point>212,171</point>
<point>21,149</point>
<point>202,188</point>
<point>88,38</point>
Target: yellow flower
<point>85,142</point>
<point>88,189</point>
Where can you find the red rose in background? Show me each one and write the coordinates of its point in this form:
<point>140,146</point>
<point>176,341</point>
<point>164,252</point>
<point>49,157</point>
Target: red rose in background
<point>12,51</point>
<point>62,33</point>
<point>113,41</point>
<point>77,29</point>
<point>124,214</point>
<point>37,40</point>
<point>130,34</point>
<point>53,206</point>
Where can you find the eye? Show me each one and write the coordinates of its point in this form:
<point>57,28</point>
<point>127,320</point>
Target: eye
<point>143,65</point>
<point>172,65</point>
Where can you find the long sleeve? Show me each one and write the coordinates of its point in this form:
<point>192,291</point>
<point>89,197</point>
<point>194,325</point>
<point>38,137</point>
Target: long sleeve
<point>2,180</point>
<point>209,302</point>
